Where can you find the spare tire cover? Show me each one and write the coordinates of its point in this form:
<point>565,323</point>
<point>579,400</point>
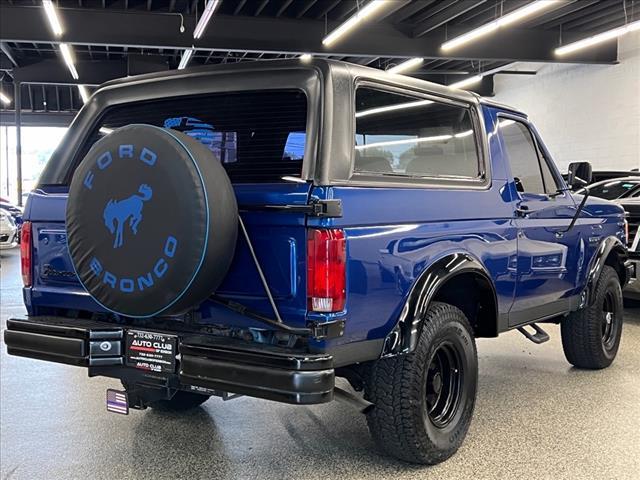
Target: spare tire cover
<point>151,221</point>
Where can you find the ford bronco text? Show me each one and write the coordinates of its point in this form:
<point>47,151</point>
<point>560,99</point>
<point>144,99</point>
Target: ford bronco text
<point>261,229</point>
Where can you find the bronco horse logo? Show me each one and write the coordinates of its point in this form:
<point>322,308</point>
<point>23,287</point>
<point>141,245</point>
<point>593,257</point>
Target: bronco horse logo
<point>116,213</point>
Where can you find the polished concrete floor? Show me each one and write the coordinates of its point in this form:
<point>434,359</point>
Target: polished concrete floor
<point>536,418</point>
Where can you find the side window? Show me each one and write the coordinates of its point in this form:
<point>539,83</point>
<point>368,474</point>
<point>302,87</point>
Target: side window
<point>531,172</point>
<point>402,135</point>
<point>550,183</point>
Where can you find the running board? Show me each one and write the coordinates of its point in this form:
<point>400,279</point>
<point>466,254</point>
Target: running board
<point>539,337</point>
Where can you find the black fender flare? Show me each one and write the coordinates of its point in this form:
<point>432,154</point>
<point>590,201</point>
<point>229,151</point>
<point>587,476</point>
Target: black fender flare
<point>608,245</point>
<point>403,337</point>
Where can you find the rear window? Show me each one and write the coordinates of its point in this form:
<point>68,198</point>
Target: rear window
<point>258,136</point>
<point>411,136</point>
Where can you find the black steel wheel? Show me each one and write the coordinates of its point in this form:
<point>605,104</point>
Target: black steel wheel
<point>591,336</point>
<point>609,325</point>
<point>444,384</point>
<point>424,401</point>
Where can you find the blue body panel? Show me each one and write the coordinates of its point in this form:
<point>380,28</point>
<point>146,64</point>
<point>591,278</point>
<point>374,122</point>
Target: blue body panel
<point>393,237</point>
<point>279,242</point>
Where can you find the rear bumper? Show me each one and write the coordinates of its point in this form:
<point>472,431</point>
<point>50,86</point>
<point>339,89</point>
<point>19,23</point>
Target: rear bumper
<point>205,363</point>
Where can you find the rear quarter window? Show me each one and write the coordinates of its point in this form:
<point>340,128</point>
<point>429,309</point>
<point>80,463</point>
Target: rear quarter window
<point>259,137</point>
<point>401,135</point>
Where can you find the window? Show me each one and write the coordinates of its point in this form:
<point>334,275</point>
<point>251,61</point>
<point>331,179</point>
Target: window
<point>612,189</point>
<point>529,168</point>
<point>258,136</point>
<point>402,135</point>
<point>550,182</point>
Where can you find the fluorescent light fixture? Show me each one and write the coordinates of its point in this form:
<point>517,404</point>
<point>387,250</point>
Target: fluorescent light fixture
<point>204,19</point>
<point>52,16</point>
<point>105,130</point>
<point>84,94</point>
<point>305,57</point>
<point>4,99</point>
<point>599,38</point>
<point>408,65</point>
<point>466,133</point>
<point>466,82</point>
<point>353,20</point>
<point>503,21</point>
<point>186,56</point>
<point>436,138</point>
<point>389,108</point>
<point>68,59</point>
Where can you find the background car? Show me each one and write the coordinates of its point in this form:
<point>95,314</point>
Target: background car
<point>8,231</point>
<point>631,205</point>
<point>15,213</point>
<point>602,175</point>
<point>613,189</point>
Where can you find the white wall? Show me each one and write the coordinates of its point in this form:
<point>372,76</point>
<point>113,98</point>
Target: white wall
<point>583,112</point>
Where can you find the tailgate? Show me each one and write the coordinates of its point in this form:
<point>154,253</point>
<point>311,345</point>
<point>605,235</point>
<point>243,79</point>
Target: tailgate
<point>278,239</point>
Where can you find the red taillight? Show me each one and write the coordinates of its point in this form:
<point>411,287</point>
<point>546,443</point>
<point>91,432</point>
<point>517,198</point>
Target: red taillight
<point>326,270</point>
<point>25,253</point>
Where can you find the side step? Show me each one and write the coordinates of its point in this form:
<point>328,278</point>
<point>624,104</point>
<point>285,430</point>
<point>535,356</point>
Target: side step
<point>539,337</point>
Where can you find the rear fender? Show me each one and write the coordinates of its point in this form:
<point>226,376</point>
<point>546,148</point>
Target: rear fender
<point>405,334</point>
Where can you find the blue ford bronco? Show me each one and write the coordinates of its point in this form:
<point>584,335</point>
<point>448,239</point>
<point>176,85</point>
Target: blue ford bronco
<point>262,228</point>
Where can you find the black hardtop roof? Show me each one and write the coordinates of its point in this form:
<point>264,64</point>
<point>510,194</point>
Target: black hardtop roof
<point>323,65</point>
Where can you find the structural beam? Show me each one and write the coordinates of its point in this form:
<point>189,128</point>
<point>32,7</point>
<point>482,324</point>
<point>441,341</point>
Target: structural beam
<point>37,119</point>
<point>444,16</point>
<point>7,51</point>
<point>55,72</point>
<point>17,100</point>
<point>258,34</point>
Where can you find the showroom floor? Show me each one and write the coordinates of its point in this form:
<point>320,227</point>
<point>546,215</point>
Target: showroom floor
<point>535,418</point>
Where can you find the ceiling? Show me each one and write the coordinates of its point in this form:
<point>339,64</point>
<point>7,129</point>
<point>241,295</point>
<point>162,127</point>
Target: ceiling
<point>113,38</point>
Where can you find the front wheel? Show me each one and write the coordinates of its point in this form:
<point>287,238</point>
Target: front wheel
<point>591,336</point>
<point>423,401</point>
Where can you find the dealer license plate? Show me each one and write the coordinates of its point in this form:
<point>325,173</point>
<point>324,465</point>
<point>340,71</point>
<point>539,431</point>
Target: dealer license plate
<point>154,352</point>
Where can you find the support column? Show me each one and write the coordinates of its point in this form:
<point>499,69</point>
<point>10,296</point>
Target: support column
<point>6,156</point>
<point>17,102</point>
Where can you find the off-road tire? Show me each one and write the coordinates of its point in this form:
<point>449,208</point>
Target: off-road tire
<point>587,340</point>
<point>399,422</point>
<point>180,402</point>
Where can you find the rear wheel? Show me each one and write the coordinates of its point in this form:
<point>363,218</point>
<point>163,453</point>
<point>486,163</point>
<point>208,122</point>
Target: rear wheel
<point>591,336</point>
<point>424,401</point>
